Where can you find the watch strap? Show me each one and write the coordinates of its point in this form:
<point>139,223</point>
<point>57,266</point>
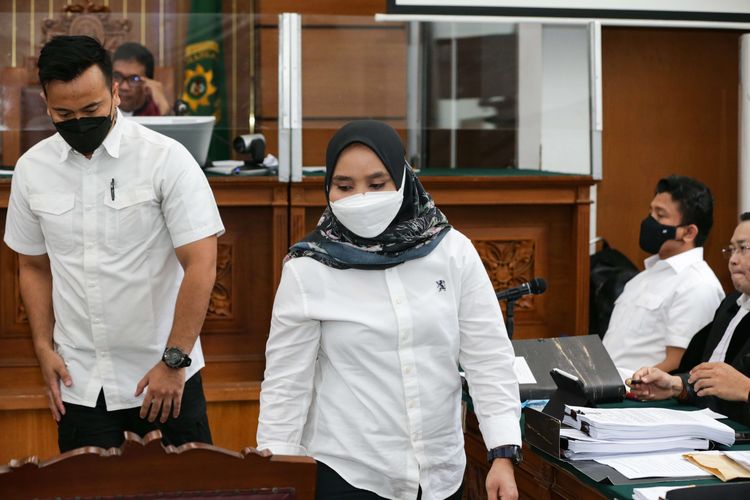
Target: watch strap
<point>510,451</point>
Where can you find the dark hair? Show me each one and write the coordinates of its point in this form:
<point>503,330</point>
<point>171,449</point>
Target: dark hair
<point>744,216</point>
<point>694,201</point>
<point>132,51</point>
<point>65,57</point>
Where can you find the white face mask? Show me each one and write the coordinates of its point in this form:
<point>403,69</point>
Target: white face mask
<point>369,214</point>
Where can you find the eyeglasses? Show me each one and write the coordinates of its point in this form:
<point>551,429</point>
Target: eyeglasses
<point>727,252</point>
<point>131,79</point>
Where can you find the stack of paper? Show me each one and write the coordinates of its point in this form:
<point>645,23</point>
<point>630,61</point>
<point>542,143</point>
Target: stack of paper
<point>653,493</point>
<point>578,445</point>
<point>606,433</point>
<point>646,424</point>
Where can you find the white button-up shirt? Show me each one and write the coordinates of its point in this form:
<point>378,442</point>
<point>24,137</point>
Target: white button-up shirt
<point>110,226</point>
<point>362,369</point>
<point>665,305</point>
<point>720,352</point>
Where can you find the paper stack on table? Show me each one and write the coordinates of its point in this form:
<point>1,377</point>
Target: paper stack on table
<point>602,433</point>
<point>653,493</point>
<point>647,424</point>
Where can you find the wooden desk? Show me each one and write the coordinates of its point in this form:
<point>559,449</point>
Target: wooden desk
<point>524,224</point>
<point>542,477</point>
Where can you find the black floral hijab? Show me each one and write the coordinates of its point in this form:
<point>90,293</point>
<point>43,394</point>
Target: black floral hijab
<point>415,231</point>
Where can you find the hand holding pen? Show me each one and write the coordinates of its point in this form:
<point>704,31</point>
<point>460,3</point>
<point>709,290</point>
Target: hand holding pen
<point>651,383</point>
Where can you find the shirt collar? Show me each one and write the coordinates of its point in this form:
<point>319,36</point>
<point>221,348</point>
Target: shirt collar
<point>678,262</point>
<point>744,301</point>
<point>111,142</point>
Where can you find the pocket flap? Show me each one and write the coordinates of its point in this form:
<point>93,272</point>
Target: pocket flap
<point>55,204</point>
<point>128,197</point>
<point>649,301</point>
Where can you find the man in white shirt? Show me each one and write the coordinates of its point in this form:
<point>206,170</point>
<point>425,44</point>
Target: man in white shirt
<point>715,370</point>
<point>662,307</point>
<point>115,227</point>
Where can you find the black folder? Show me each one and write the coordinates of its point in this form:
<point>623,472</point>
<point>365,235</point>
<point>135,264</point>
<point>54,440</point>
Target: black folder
<point>583,356</point>
<point>723,491</point>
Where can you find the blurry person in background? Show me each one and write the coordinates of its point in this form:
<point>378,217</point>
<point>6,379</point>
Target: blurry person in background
<point>140,94</point>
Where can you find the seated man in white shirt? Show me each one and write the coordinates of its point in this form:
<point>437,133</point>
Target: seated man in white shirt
<point>662,307</point>
<point>715,370</point>
<point>115,228</point>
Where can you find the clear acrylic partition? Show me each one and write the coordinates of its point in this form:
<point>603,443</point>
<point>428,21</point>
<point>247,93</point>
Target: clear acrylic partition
<point>463,95</point>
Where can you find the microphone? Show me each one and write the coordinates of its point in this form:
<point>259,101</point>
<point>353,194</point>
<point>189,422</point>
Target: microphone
<point>180,108</point>
<point>533,287</point>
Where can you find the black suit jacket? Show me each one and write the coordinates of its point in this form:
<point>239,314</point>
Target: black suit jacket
<point>738,355</point>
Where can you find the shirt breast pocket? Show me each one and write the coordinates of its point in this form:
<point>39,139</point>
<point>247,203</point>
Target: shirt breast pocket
<point>127,221</point>
<point>55,214</point>
<point>648,312</point>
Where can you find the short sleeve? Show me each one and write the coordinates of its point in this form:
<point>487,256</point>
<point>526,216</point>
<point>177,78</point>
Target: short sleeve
<point>187,203</point>
<point>692,308</point>
<point>23,232</point>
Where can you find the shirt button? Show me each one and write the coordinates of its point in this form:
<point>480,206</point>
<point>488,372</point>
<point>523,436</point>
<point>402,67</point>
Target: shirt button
<point>89,207</point>
<point>90,245</point>
<point>398,300</point>
<point>407,369</point>
<point>411,404</point>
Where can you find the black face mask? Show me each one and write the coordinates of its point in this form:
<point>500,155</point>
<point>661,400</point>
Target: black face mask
<point>653,235</point>
<point>85,134</point>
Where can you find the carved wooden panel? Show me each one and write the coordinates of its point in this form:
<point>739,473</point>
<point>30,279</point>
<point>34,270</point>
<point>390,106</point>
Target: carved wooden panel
<point>88,19</point>
<point>201,469</point>
<point>220,305</point>
<point>513,255</point>
<point>509,263</point>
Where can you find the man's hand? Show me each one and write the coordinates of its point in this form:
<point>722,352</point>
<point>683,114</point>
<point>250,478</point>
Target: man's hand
<point>155,89</point>
<point>501,483</point>
<point>53,371</point>
<point>165,386</point>
<point>651,383</point>
<point>720,380</point>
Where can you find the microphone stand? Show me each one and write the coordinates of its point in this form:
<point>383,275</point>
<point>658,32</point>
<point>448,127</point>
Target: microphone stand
<point>510,306</point>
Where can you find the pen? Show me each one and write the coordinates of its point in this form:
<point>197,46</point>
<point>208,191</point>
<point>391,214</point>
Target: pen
<point>112,189</point>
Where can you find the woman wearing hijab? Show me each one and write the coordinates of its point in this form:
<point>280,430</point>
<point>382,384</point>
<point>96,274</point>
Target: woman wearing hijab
<point>376,309</point>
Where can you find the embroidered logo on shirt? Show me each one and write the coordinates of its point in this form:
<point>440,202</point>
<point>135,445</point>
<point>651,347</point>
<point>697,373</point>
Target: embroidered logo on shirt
<point>440,285</point>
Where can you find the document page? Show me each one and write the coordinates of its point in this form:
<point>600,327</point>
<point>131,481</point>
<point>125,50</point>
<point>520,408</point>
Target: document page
<point>523,372</point>
<point>741,457</point>
<point>638,466</point>
<point>653,493</point>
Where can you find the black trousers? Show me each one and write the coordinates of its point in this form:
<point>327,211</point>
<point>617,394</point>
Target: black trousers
<point>330,486</point>
<point>84,426</point>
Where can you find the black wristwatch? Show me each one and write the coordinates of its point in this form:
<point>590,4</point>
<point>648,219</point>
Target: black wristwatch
<point>173,357</point>
<point>508,451</point>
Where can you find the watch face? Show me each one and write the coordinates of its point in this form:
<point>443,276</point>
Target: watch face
<point>172,357</point>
